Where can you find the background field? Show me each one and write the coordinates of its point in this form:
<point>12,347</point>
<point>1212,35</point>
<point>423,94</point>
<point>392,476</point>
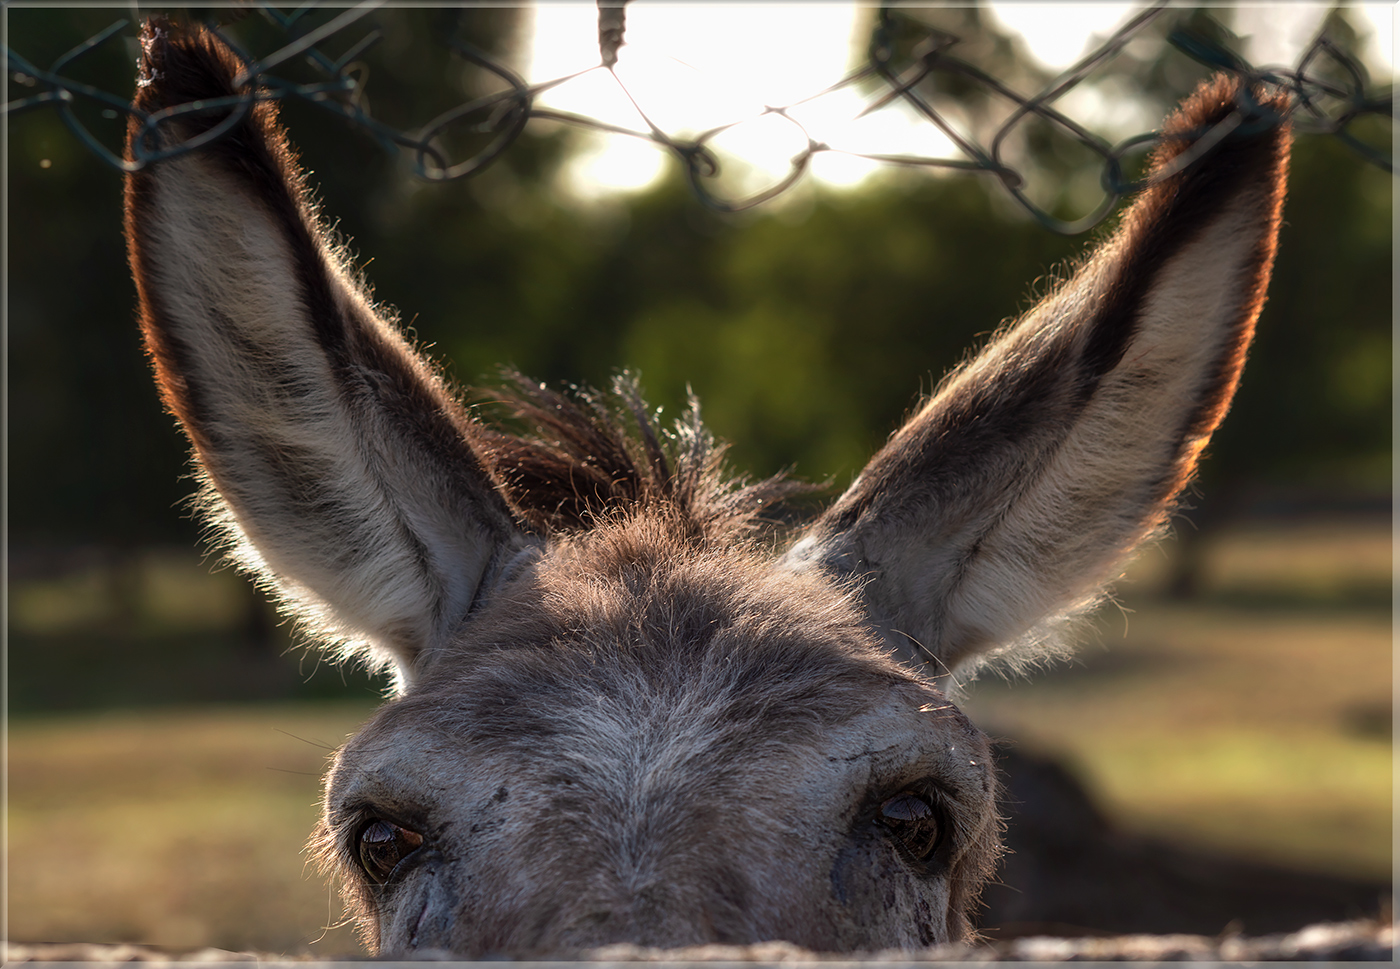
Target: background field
<point>1254,718</point>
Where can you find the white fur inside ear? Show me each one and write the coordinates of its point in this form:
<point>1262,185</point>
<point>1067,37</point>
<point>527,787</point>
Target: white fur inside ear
<point>997,565</point>
<point>1033,572</point>
<point>364,541</point>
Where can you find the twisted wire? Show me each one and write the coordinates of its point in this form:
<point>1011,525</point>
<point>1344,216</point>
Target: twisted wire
<point>1319,103</point>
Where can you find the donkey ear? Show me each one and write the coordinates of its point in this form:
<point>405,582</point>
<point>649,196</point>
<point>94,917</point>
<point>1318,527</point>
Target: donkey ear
<point>335,462</point>
<point>1020,488</point>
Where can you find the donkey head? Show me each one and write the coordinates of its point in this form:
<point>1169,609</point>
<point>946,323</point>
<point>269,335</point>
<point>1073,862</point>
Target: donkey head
<point>619,716</point>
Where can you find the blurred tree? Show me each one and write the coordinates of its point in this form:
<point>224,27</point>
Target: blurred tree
<point>807,327</point>
<point>92,459</point>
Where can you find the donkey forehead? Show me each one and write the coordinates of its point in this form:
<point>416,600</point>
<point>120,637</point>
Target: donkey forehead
<point>541,724</point>
<point>650,671</point>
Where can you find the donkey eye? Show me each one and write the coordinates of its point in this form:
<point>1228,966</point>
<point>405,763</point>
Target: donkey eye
<point>912,821</point>
<point>383,844</point>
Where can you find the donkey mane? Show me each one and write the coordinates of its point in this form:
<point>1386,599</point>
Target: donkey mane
<point>585,459</point>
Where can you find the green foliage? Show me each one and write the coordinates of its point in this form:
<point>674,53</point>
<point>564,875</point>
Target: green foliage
<point>806,328</point>
<point>1314,407</point>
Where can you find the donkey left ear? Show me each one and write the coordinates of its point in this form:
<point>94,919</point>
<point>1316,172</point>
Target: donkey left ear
<point>1011,497</point>
<point>338,465</point>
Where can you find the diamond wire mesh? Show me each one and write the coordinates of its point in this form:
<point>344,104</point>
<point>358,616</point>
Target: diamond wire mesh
<point>1329,89</point>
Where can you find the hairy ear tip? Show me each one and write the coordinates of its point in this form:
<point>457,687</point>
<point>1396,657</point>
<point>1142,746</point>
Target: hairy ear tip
<point>1262,117</point>
<point>181,63</point>
<point>1228,138</point>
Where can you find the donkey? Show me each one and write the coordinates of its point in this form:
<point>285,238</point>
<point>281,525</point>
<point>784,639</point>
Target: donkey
<point>625,710</point>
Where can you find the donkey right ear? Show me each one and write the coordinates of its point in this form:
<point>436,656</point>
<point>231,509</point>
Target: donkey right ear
<point>1010,498</point>
<point>337,465</point>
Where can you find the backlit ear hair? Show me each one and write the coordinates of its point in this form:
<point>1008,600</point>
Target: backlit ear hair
<point>1019,489</point>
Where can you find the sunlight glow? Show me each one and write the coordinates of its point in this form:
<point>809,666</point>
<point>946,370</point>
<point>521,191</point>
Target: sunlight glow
<point>1058,34</point>
<point>1381,49</point>
<point>1275,35</point>
<point>690,67</point>
<point>693,67</point>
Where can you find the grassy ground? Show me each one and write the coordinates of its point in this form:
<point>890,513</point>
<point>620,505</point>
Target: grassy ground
<point>1255,718</point>
<point>174,827</point>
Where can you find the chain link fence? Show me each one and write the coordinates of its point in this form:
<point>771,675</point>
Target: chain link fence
<point>1329,87</point>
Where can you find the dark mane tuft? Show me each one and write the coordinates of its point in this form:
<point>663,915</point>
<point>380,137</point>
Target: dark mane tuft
<point>588,456</point>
